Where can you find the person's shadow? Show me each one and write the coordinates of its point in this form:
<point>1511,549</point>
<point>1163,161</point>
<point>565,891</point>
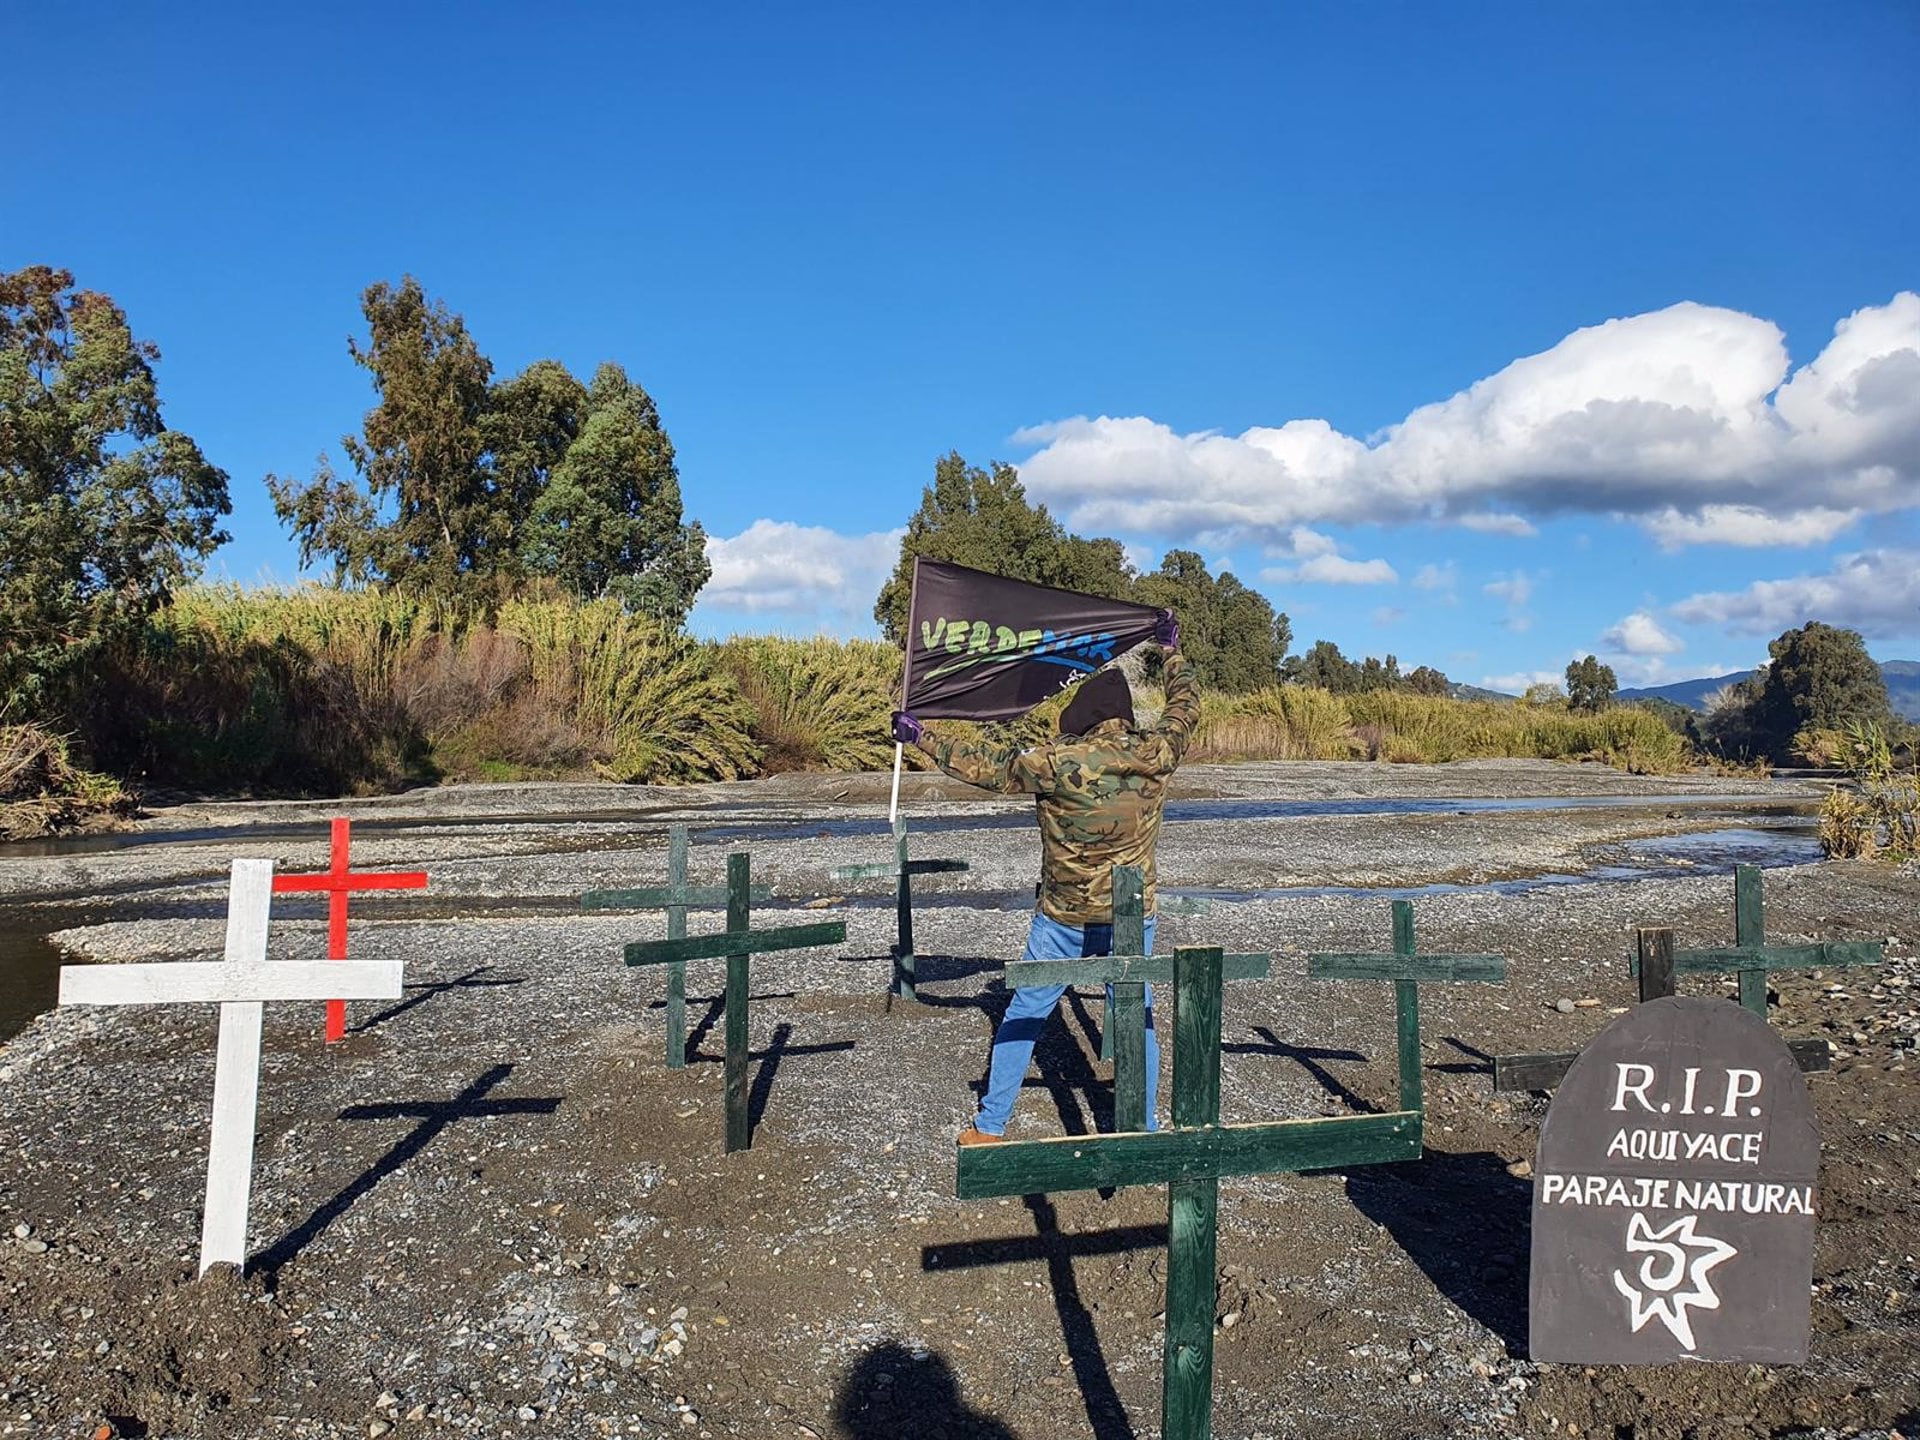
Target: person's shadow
<point>890,1392</point>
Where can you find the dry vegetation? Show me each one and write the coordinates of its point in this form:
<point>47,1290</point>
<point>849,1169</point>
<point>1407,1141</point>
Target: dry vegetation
<point>42,793</point>
<point>1297,723</point>
<point>310,689</point>
<point>1878,813</point>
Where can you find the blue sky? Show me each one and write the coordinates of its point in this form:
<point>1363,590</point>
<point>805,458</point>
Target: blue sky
<point>1482,334</point>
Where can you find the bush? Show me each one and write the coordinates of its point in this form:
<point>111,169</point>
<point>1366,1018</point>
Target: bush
<point>231,690</point>
<point>314,689</point>
<point>1296,722</point>
<point>43,793</point>
<point>1847,828</point>
<point>651,704</point>
<point>1883,812</point>
<point>1820,746</point>
<point>817,704</point>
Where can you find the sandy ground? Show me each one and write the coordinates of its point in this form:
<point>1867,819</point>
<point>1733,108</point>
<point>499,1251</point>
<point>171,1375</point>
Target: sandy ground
<point>494,1209</point>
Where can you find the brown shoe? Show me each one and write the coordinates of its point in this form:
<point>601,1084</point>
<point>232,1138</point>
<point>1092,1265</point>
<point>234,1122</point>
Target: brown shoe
<point>974,1135</point>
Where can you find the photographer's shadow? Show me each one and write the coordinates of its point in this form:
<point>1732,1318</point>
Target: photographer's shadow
<point>891,1391</point>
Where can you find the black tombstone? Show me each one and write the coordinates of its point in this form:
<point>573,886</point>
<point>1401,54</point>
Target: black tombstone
<point>1674,1194</point>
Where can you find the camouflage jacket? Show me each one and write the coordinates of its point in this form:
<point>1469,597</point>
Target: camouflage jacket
<point>1099,796</point>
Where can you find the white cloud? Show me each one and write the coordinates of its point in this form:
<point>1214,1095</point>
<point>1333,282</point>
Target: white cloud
<point>1437,577</point>
<point>1876,592</point>
<point>1519,681</point>
<point>1746,525</point>
<point>806,571</point>
<point>1388,614</point>
<point>1640,634</point>
<point>1686,418</point>
<point>1332,570</point>
<point>1305,544</point>
<point>1321,562</point>
<point>1515,589</point>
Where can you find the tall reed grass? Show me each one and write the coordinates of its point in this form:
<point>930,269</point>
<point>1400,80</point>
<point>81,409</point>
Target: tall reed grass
<point>650,702</point>
<point>1300,723</point>
<point>817,704</point>
<point>1881,813</point>
<point>309,688</point>
<point>312,689</point>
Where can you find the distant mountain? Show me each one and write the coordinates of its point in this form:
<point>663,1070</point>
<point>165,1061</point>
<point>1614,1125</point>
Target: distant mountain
<point>1459,691</point>
<point>1903,688</point>
<point>1690,693</point>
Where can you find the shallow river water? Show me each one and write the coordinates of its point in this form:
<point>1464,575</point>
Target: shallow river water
<point>1762,831</point>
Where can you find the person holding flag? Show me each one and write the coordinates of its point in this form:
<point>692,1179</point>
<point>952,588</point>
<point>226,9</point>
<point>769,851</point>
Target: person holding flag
<point>1099,789</point>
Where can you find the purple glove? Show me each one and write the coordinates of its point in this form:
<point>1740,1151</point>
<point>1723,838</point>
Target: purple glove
<point>1166,634</point>
<point>906,729</point>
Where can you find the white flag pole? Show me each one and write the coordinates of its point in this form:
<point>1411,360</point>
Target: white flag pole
<point>906,689</point>
<point>893,809</point>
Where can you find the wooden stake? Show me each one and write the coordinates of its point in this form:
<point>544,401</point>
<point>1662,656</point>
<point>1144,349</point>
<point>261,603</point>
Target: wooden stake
<point>1127,1012</point>
<point>739,919</point>
<point>1406,1005</point>
<point>1655,949</point>
<point>1186,1398</point>
<point>677,969</point>
<point>1750,928</point>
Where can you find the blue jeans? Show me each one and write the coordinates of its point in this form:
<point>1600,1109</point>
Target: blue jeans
<point>1030,1008</point>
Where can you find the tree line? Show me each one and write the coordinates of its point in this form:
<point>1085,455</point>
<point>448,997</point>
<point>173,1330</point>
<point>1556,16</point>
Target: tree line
<point>476,489</point>
<point>463,487</point>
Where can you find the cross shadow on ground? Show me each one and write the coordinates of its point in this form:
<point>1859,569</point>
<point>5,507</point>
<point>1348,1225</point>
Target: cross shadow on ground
<point>1066,1075</point>
<point>1105,1413</point>
<point>991,1003</point>
<point>716,1007</point>
<point>1060,1058</point>
<point>770,1059</point>
<point>469,981</point>
<point>434,1116</point>
<point>1478,1061</point>
<point>1308,1059</point>
<point>892,1391</point>
<point>1466,1223</point>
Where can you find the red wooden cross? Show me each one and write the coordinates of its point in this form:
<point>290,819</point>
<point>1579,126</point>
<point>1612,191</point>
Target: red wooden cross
<point>338,882</point>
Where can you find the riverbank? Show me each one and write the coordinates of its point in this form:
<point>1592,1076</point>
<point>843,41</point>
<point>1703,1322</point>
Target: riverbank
<point>493,1210</point>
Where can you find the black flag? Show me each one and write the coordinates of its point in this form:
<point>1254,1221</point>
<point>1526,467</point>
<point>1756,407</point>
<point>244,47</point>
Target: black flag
<point>982,647</point>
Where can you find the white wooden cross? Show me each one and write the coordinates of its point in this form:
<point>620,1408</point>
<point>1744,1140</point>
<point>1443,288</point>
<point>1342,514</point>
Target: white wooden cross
<point>239,984</point>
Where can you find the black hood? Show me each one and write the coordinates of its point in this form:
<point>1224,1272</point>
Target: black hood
<point>1104,697</point>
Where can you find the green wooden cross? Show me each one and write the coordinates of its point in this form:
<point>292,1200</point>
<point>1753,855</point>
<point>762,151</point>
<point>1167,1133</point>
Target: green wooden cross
<point>1406,969</point>
<point>901,869</point>
<point>1127,910</point>
<point>1193,1156</point>
<point>1129,969</point>
<point>737,944</point>
<point>1750,957</point>
<point>1656,963</point>
<point>676,897</point>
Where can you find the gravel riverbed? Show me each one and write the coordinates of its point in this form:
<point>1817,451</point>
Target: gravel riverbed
<point>493,1210</point>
